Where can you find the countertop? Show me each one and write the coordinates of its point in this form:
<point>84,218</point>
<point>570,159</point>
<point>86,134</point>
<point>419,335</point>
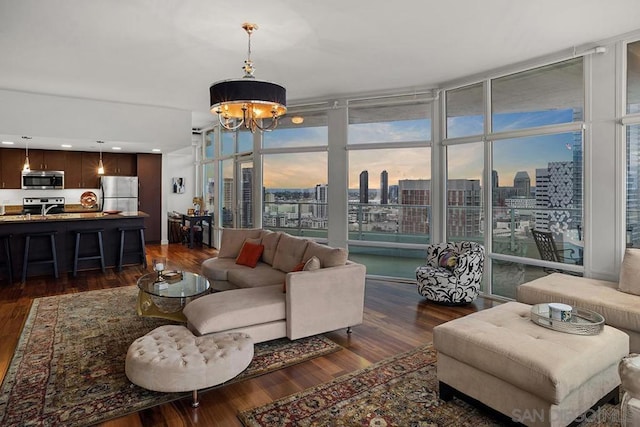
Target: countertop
<point>70,216</point>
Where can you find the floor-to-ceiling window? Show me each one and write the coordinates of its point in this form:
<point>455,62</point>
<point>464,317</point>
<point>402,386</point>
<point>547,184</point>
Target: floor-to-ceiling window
<point>632,134</point>
<point>295,175</point>
<point>537,131</point>
<point>527,128</point>
<point>389,191</point>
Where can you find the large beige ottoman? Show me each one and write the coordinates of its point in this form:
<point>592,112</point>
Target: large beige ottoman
<point>532,375</point>
<point>171,359</point>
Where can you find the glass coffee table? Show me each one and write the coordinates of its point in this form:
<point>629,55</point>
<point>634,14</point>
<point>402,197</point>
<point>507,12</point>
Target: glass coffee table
<point>166,295</point>
<point>582,321</point>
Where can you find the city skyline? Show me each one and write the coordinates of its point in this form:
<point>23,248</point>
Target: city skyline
<point>464,161</point>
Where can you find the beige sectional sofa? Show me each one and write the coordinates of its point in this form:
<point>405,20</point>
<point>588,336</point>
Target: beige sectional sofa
<point>254,300</point>
<point>618,302</point>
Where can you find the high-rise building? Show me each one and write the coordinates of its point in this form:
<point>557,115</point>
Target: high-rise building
<point>633,186</point>
<point>364,187</point>
<point>321,198</point>
<point>522,184</point>
<point>384,188</point>
<point>393,194</point>
<point>555,191</point>
<point>227,202</point>
<point>464,201</point>
<point>247,197</point>
<point>414,219</point>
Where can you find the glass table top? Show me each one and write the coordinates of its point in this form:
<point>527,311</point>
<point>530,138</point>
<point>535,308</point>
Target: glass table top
<point>174,284</point>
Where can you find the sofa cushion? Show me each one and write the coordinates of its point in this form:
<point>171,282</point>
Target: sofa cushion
<point>233,239</point>
<point>217,269</point>
<point>328,256</point>
<point>236,308</point>
<point>630,272</point>
<point>289,252</point>
<point>250,254</point>
<point>270,242</point>
<point>262,275</point>
<point>619,309</point>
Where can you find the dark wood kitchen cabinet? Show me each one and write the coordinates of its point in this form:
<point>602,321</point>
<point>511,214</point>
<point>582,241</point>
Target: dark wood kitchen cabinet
<point>73,170</point>
<point>11,162</point>
<point>90,177</point>
<point>149,194</point>
<point>119,164</point>
<point>47,160</point>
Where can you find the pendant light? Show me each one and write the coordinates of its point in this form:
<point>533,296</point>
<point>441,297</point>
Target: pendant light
<point>26,167</point>
<point>100,165</point>
<point>248,101</point>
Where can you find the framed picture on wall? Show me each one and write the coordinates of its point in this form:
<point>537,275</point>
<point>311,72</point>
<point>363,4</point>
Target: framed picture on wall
<point>178,185</point>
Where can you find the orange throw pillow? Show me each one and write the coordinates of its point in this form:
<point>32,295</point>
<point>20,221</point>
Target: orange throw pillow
<point>298,267</point>
<point>250,254</point>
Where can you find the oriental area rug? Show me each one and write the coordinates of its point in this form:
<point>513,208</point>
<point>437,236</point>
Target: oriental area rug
<point>398,391</point>
<point>68,367</point>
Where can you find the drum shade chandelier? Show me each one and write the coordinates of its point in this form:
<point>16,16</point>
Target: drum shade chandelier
<point>248,101</point>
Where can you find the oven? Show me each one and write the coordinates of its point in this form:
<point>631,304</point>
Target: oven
<point>42,205</point>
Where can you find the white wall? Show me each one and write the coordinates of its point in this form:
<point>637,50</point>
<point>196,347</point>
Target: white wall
<point>179,165</point>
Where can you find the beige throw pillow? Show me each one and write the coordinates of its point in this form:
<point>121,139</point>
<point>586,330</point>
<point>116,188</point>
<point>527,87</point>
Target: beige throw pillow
<point>233,239</point>
<point>328,256</point>
<point>630,272</point>
<point>312,264</point>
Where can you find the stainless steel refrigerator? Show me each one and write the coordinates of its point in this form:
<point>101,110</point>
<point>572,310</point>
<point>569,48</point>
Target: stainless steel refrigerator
<point>119,193</point>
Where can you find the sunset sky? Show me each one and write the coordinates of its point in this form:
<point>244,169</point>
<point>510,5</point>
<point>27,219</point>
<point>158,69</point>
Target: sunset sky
<point>305,170</point>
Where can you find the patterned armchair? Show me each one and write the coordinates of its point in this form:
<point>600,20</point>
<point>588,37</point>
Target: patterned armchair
<point>453,272</point>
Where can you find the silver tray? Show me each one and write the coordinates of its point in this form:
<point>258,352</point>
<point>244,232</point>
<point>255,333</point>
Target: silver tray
<point>582,322</point>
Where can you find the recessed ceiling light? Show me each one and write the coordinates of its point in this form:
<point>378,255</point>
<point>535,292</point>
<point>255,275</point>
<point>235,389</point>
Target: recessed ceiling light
<point>296,120</point>
<point>8,142</point>
<point>66,145</point>
<point>116,148</point>
<point>156,150</point>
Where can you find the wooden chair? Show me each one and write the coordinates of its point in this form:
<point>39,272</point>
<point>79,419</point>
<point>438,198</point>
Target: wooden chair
<point>549,251</point>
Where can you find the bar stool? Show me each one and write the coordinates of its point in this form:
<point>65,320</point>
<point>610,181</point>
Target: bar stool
<point>7,261</point>
<point>51,235</point>
<point>140,252</point>
<point>99,255</point>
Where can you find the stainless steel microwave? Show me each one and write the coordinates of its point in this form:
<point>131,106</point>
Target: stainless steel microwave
<point>42,180</point>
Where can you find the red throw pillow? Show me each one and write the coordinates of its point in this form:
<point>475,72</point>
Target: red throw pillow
<point>298,267</point>
<point>250,254</point>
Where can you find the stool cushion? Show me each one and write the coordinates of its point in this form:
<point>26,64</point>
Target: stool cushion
<point>171,359</point>
<point>505,343</point>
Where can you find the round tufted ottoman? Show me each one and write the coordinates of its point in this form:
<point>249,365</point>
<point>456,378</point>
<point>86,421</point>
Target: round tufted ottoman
<point>171,359</point>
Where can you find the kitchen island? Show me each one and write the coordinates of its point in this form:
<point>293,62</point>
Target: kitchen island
<point>66,224</point>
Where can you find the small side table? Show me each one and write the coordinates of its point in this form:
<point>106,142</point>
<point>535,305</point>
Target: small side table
<point>195,219</point>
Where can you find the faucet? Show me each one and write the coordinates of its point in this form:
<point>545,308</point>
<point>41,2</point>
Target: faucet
<point>45,211</point>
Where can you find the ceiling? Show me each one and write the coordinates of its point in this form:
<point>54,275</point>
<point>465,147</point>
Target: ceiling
<point>168,52</point>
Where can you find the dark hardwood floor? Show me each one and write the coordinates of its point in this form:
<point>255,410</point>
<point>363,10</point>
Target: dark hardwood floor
<point>396,319</point>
